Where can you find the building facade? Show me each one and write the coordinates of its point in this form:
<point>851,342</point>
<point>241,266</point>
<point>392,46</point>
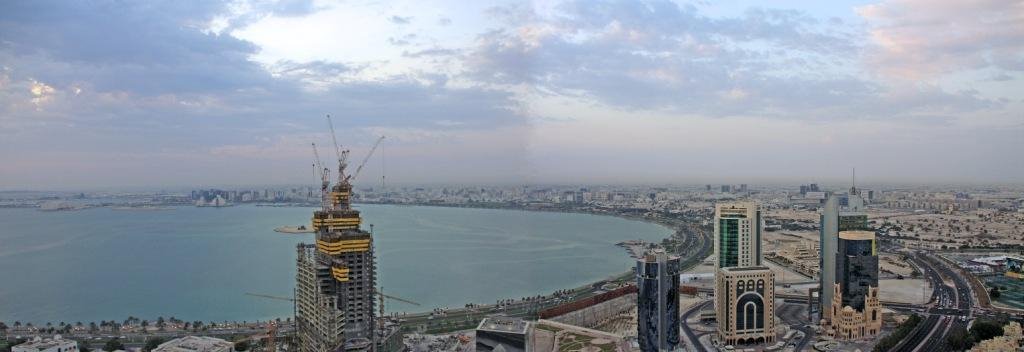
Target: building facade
<point>738,231</point>
<point>744,288</point>
<point>335,278</point>
<point>657,281</point>
<point>855,309</point>
<point>745,309</point>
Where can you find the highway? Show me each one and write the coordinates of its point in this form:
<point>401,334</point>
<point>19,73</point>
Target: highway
<point>950,307</point>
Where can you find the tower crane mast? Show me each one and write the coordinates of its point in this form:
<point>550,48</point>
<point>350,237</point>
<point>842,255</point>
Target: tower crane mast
<point>325,179</point>
<point>342,154</point>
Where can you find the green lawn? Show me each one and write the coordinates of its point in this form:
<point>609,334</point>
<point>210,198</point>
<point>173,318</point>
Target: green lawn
<point>1013,295</point>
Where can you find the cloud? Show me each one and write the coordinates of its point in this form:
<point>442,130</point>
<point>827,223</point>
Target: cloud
<point>522,92</point>
<point>400,19</point>
<point>917,39</point>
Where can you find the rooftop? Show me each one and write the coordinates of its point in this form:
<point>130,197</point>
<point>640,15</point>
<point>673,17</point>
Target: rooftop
<point>747,268</point>
<point>42,344</point>
<point>857,235</point>
<point>194,344</point>
<point>504,324</point>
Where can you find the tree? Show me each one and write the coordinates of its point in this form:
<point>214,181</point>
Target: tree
<point>959,339</point>
<point>113,344</point>
<point>994,293</point>
<point>986,329</point>
<point>242,345</point>
<point>152,343</point>
<point>83,346</point>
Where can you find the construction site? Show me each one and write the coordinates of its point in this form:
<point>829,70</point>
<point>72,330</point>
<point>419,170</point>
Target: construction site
<point>335,282</point>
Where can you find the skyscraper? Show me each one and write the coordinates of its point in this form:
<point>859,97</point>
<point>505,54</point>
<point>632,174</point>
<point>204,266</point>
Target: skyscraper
<point>335,279</point>
<point>836,218</point>
<point>855,307</point>
<point>738,235</point>
<point>657,280</point>
<point>744,289</point>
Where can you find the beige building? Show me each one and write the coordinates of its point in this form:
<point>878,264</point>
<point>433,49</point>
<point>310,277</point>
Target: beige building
<point>745,306</point>
<point>744,288</point>
<point>849,323</point>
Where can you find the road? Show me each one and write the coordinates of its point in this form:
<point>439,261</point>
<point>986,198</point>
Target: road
<point>692,337</point>
<point>950,307</point>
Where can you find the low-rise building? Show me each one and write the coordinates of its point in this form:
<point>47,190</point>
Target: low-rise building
<point>195,344</point>
<point>502,334</point>
<point>56,344</point>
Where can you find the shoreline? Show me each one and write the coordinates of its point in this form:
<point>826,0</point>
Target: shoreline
<point>670,227</point>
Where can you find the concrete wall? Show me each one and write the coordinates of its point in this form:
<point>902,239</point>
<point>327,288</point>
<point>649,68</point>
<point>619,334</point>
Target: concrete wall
<point>591,316</point>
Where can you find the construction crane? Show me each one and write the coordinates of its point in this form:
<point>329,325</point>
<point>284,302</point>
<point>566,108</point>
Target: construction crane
<point>367,158</point>
<point>342,154</point>
<point>325,179</point>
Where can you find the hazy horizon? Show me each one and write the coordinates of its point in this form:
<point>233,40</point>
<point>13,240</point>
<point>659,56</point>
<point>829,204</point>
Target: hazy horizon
<point>100,95</point>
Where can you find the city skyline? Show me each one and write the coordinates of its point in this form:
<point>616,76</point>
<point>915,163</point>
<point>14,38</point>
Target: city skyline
<point>156,94</point>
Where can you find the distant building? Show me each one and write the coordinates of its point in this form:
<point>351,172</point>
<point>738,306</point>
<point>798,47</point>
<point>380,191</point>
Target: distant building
<point>743,187</point>
<point>707,188</point>
<point>503,334</point>
<point>855,309</point>
<point>657,281</point>
<point>195,344</point>
<point>56,344</point>
<point>726,188</point>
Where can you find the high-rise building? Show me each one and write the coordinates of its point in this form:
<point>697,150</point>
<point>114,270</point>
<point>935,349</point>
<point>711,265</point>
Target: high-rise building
<point>855,308</point>
<point>744,288</point>
<point>738,233</point>
<point>335,279</point>
<point>657,281</point>
<point>836,218</point>
<point>726,188</point>
<point>745,306</point>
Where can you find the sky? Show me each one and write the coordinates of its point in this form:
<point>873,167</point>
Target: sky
<point>181,93</point>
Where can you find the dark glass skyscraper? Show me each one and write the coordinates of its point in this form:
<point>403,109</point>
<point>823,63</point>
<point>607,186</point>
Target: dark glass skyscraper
<point>657,279</point>
<point>856,267</point>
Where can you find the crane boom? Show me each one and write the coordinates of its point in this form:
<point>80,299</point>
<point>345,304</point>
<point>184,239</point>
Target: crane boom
<point>342,154</point>
<point>398,299</point>
<point>367,158</point>
<point>269,296</point>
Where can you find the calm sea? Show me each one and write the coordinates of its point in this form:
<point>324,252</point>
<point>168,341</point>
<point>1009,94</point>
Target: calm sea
<point>198,263</point>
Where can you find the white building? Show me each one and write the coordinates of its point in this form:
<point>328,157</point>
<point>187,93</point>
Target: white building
<point>195,344</point>
<point>56,344</point>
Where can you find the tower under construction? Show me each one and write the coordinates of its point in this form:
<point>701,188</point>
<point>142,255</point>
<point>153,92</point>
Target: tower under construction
<point>335,279</point>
